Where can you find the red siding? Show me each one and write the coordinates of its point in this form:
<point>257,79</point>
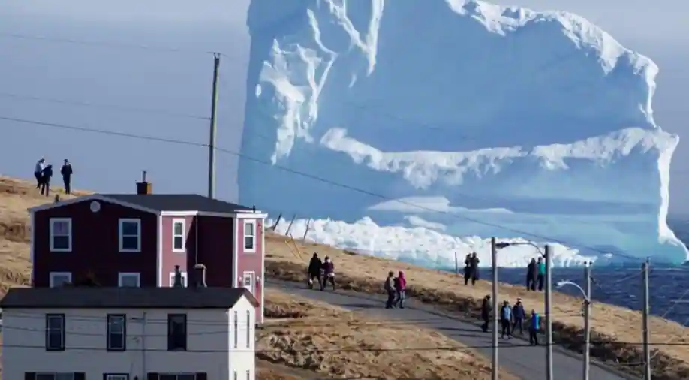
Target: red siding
<point>95,245</point>
<point>251,261</point>
<point>171,258</point>
<point>215,249</point>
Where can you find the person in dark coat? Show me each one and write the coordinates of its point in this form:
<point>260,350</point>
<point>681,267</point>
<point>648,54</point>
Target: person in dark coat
<point>541,274</point>
<point>66,172</point>
<point>531,272</point>
<point>486,308</point>
<point>506,320</point>
<point>328,273</point>
<point>38,172</point>
<point>45,180</point>
<point>315,266</point>
<point>389,287</point>
<point>467,269</point>
<point>474,261</point>
<point>518,316</point>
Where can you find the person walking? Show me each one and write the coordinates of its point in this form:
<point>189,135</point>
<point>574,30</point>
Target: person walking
<point>66,172</point>
<point>400,289</point>
<point>506,320</point>
<point>38,172</point>
<point>328,273</point>
<point>531,272</point>
<point>541,274</point>
<point>45,180</point>
<point>518,314</point>
<point>467,269</point>
<point>534,327</point>
<point>486,308</point>
<point>314,270</point>
<point>474,261</point>
<point>389,287</point>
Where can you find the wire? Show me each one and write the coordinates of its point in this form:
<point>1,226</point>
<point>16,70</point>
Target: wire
<point>313,177</point>
<point>100,105</point>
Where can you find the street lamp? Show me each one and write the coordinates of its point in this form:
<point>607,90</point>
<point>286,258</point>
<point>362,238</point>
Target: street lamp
<point>587,313</point>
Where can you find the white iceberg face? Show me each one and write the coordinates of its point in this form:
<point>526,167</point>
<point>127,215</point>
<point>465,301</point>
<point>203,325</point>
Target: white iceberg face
<point>469,118</point>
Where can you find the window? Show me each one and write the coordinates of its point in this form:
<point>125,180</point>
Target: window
<point>57,376</point>
<point>236,330</point>
<point>59,279</point>
<point>176,332</point>
<point>129,280</point>
<point>249,236</point>
<point>117,332</point>
<point>60,235</point>
<point>116,376</point>
<point>182,376</point>
<point>130,235</point>
<point>184,279</point>
<point>248,374</point>
<point>248,281</point>
<point>248,329</point>
<point>178,232</point>
<point>234,375</point>
<point>55,332</point>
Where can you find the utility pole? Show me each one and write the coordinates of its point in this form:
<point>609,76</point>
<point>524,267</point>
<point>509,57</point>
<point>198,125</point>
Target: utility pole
<point>494,264</point>
<point>587,323</point>
<point>647,349</point>
<point>548,313</point>
<point>211,144</point>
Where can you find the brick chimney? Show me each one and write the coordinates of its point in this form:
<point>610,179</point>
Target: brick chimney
<point>178,278</point>
<point>144,187</point>
<point>199,276</point>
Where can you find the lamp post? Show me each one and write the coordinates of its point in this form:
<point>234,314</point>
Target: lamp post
<point>587,313</point>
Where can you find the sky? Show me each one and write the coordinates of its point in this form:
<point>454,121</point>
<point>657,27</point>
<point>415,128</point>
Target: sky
<point>121,86</point>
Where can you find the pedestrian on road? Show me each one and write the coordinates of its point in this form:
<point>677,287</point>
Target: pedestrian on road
<point>314,271</point>
<point>45,180</point>
<point>401,290</point>
<point>38,172</point>
<point>519,314</point>
<point>534,327</point>
<point>328,273</point>
<point>531,272</point>
<point>66,172</point>
<point>473,262</point>
<point>486,308</point>
<point>541,274</point>
<point>389,287</point>
<point>506,320</point>
<point>467,269</point>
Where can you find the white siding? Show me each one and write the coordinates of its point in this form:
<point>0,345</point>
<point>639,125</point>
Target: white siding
<point>243,359</point>
<point>208,344</point>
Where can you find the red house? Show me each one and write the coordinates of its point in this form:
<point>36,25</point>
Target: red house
<point>138,239</point>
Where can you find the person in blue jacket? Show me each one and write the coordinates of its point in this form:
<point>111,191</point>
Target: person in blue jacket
<point>506,320</point>
<point>534,326</point>
<point>518,316</point>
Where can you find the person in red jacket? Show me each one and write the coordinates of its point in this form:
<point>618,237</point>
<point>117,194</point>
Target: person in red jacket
<point>328,273</point>
<point>400,290</point>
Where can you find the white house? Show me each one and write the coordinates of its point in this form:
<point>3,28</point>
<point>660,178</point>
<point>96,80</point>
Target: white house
<point>80,333</point>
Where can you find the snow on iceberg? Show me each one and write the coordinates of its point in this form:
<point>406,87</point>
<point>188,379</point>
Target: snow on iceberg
<point>466,106</point>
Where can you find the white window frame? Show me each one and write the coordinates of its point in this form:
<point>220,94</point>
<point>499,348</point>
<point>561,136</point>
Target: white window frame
<point>183,236</point>
<point>254,236</point>
<point>184,279</point>
<point>120,236</point>
<point>58,274</point>
<point>129,274</point>
<point>53,221</point>
<point>123,333</point>
<point>252,275</point>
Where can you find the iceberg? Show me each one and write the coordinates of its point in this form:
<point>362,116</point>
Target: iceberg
<point>461,120</point>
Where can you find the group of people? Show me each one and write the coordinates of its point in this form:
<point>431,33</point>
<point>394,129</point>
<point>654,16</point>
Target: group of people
<point>511,319</point>
<point>535,273</point>
<point>44,172</point>
<point>471,262</point>
<point>321,271</point>
<point>396,288</point>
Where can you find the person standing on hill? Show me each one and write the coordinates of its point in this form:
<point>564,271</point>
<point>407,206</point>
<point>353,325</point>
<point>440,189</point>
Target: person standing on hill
<point>45,180</point>
<point>519,314</point>
<point>534,326</point>
<point>541,274</point>
<point>506,320</point>
<point>328,273</point>
<point>531,272</point>
<point>400,290</point>
<point>467,269</point>
<point>474,261</point>
<point>389,287</point>
<point>314,271</point>
<point>486,308</point>
<point>38,172</point>
<point>66,172</point>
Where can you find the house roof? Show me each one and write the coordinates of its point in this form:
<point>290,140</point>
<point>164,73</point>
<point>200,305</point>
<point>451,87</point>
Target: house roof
<point>124,298</point>
<point>178,202</point>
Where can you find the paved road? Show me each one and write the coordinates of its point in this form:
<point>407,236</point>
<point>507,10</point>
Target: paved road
<point>517,357</point>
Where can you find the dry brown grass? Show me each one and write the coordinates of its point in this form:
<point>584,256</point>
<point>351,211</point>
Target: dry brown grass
<point>338,343</point>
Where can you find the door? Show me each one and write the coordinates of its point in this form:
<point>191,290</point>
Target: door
<point>249,281</point>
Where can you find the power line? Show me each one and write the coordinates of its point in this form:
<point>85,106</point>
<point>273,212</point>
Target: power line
<point>101,105</point>
<point>313,177</point>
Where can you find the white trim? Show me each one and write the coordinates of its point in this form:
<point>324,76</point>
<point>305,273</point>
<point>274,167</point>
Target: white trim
<point>92,197</point>
<point>263,267</point>
<point>185,279</point>
<point>127,274</point>
<point>235,254</point>
<point>239,214</point>
<point>69,228</point>
<point>56,274</point>
<point>184,235</point>
<point>249,215</point>
<point>33,250</point>
<point>244,236</point>
<point>159,254</point>
<point>120,236</point>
